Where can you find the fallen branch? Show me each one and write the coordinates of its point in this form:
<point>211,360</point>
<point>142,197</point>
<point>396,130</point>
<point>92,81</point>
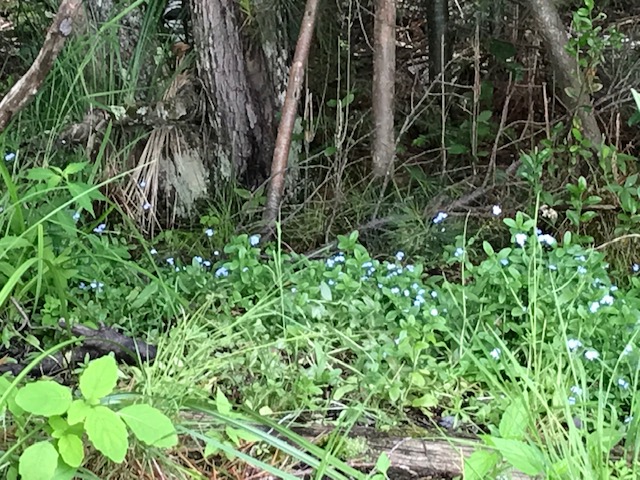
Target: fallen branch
<point>94,344</point>
<point>27,87</point>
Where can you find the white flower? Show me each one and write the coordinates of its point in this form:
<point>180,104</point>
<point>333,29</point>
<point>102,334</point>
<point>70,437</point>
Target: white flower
<point>591,355</point>
<point>209,232</point>
<point>547,239</point>
<point>153,251</point>
<point>593,308</point>
<point>496,210</point>
<point>399,256</point>
<point>440,217</point>
<point>254,240</point>
<point>142,184</point>
<point>606,300</point>
<point>521,239</point>
<point>434,312</point>
<point>495,353</point>
<point>573,344</point>
<point>572,400</point>
<point>576,390</point>
<point>459,252</point>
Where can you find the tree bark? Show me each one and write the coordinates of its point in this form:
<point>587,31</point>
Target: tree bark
<point>438,28</point>
<point>384,69</point>
<point>566,67</point>
<point>242,125</point>
<point>289,113</point>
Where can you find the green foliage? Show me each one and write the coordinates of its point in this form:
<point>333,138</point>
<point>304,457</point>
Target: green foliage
<point>69,420</point>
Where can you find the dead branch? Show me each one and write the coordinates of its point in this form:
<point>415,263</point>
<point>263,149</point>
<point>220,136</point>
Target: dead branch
<point>289,113</point>
<point>27,87</point>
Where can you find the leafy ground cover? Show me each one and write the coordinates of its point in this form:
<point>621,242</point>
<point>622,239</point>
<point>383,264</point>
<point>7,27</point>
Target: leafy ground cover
<point>532,345</point>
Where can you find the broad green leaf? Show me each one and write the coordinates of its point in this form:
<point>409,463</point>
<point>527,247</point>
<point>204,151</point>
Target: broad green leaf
<point>44,397</point>
<point>64,472</point>
<point>74,167</point>
<point>78,411</point>
<point>222,404</point>
<point>480,464</point>
<point>383,463</point>
<point>40,173</point>
<point>520,455</point>
<point>11,398</point>
<point>38,462</point>
<point>107,433</point>
<point>325,292</point>
<point>10,242</point>
<point>99,378</point>
<point>149,425</point>
<point>71,450</point>
<point>514,420</point>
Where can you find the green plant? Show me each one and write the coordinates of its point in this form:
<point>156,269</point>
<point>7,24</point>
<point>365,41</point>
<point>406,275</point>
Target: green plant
<point>68,420</point>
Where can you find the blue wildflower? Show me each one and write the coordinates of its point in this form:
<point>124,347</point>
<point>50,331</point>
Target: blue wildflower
<point>504,262</point>
<point>254,240</point>
<point>100,228</point>
<point>395,290</point>
<point>142,184</point>
<point>222,272</point>
<point>170,261</point>
<point>76,216</point>
<point>153,251</point>
<point>9,157</point>
<point>400,256</point>
<point>459,252</point>
<point>495,353</point>
<point>440,217</point>
<point>582,270</point>
<point>635,267</point>
<point>521,239</point>
<point>209,232</point>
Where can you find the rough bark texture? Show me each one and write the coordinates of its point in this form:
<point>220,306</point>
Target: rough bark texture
<point>565,66</point>
<point>228,71</point>
<point>384,69</point>
<point>289,113</point>
<point>438,26</point>
<point>27,87</point>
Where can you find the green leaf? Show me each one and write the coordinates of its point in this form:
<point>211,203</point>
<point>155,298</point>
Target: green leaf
<point>150,425</point>
<point>44,397</point>
<point>107,433</point>
<point>78,411</point>
<point>636,97</point>
<point>222,404</point>
<point>325,292</point>
<point>74,168</point>
<point>39,173</point>
<point>99,378</point>
<point>514,420</point>
<point>64,472</point>
<point>520,455</point>
<point>383,463</point>
<point>71,450</point>
<point>488,249</point>
<point>341,391</point>
<point>79,194</point>
<point>480,464</point>
<point>38,462</point>
<point>148,292</point>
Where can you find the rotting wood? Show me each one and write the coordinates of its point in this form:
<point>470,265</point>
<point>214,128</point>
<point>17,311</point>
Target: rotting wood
<point>411,458</point>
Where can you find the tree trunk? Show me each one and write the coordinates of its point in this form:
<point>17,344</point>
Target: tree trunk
<point>438,26</point>
<point>566,68</point>
<point>233,76</point>
<point>384,69</point>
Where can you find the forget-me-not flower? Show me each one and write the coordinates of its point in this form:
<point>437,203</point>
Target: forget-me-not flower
<point>496,210</point>
<point>521,239</point>
<point>573,344</point>
<point>222,272</point>
<point>440,217</point>
<point>209,232</point>
<point>495,353</point>
<point>591,355</point>
<point>100,228</point>
<point>254,240</point>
